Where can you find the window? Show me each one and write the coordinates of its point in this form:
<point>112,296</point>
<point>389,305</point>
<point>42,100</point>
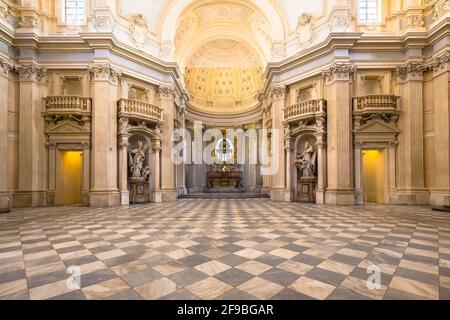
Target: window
<point>75,11</point>
<point>369,11</point>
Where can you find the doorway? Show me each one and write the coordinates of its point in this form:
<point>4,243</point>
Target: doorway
<point>373,176</point>
<point>69,178</point>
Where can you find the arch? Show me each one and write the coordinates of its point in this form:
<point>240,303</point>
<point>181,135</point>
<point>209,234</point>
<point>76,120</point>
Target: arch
<point>215,33</point>
<point>173,10</point>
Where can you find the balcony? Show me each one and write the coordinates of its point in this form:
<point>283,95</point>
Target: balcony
<point>68,106</point>
<point>138,110</point>
<point>305,110</point>
<point>375,104</point>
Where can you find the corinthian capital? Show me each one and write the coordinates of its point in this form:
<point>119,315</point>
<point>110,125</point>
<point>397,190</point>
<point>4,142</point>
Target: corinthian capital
<point>31,72</point>
<point>278,91</point>
<point>339,72</point>
<point>5,67</point>
<point>104,72</point>
<point>167,92</point>
<point>410,71</point>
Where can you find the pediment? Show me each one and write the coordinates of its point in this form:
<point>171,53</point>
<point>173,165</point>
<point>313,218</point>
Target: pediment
<point>377,126</point>
<point>67,127</point>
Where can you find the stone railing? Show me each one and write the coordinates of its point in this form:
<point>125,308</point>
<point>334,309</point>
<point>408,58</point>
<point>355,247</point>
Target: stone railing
<point>139,110</point>
<point>375,104</point>
<point>68,105</point>
<point>305,110</point>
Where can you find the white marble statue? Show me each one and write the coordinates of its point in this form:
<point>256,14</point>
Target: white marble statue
<point>137,159</point>
<point>306,161</point>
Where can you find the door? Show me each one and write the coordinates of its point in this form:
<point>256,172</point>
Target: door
<point>69,178</point>
<point>373,176</point>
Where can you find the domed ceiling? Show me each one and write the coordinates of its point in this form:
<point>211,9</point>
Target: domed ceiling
<point>223,76</point>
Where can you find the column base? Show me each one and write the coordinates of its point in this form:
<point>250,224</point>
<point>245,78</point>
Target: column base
<point>51,198</point>
<point>359,196</point>
<point>104,198</point>
<point>30,199</point>
<point>155,196</point>
<point>282,195</point>
<point>168,195</point>
<point>265,190</point>
<point>124,198</point>
<point>410,197</point>
<point>440,200</point>
<point>320,197</point>
<point>5,201</point>
<point>340,197</point>
<point>182,191</point>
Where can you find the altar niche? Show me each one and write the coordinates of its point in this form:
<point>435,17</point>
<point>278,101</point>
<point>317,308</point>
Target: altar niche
<point>225,175</point>
<point>306,168</point>
<point>138,169</point>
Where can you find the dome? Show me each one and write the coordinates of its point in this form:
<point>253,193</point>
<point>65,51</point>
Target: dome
<point>223,76</point>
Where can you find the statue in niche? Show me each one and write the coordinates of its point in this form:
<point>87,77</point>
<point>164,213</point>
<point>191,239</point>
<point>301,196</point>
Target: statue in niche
<point>306,161</point>
<point>137,159</point>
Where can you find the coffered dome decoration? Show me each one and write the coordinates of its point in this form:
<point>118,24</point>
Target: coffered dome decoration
<point>223,76</point>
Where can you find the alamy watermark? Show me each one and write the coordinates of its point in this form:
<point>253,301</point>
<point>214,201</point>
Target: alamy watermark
<point>230,146</point>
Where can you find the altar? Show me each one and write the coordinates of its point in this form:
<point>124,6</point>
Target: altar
<point>224,178</point>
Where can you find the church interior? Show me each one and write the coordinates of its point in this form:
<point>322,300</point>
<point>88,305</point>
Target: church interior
<point>224,149</point>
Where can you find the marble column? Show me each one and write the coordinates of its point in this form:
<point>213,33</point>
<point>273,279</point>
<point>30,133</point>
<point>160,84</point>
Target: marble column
<point>278,170</point>
<point>86,172</point>
<point>440,193</point>
<point>289,148</point>
<point>321,168</point>
<point>168,186</point>
<point>123,170</point>
<point>155,193</point>
<point>5,194</point>
<point>181,168</point>
<point>340,190</point>
<point>32,150</point>
<point>410,173</point>
<point>104,164</point>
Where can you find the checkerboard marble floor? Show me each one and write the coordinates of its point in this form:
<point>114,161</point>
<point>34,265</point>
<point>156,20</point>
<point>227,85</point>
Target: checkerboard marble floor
<point>225,249</point>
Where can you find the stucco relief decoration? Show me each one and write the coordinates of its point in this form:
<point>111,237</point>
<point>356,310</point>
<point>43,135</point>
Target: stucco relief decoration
<point>28,22</point>
<point>188,24</point>
<point>415,21</point>
<point>440,8</point>
<point>5,11</point>
<point>208,13</point>
<point>305,30</point>
<point>260,27</point>
<point>340,20</point>
<point>138,30</point>
<point>103,22</point>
